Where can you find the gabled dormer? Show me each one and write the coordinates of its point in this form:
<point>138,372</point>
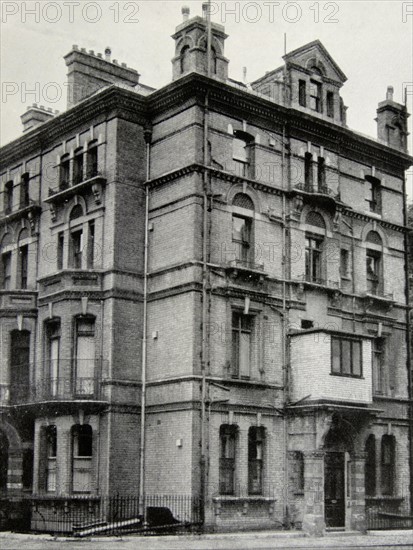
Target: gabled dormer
<point>310,80</point>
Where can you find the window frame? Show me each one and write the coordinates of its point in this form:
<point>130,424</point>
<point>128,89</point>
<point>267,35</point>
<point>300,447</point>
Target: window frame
<point>8,196</point>
<point>316,98</point>
<point>330,103</point>
<point>373,194</point>
<point>84,386</point>
<point>342,355</point>
<point>314,258</point>
<point>23,267</point>
<point>378,365</point>
<point>24,190</point>
<point>64,172</point>
<point>238,332</point>
<point>370,468</point>
<point>81,463</point>
<point>92,159</point>
<point>228,439</point>
<point>256,441</point>
<point>6,265</point>
<point>51,458</point>
<point>388,468</point>
<point>53,337</point>
<point>302,92</point>
<point>374,277</point>
<point>78,166</point>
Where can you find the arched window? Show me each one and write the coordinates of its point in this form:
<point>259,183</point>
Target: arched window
<point>92,160</point>
<point>184,59</point>
<point>374,261</point>
<point>19,366</point>
<point>370,466</point>
<point>78,166</point>
<point>242,237</point>
<point>64,172</point>
<point>82,454</point>
<point>213,60</point>
<point>314,241</point>
<point>24,190</point>
<point>388,464</point>
<point>227,456</point>
<point>256,438</point>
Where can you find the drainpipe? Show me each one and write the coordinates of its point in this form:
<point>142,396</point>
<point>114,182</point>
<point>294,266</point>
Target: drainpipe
<point>408,349</point>
<point>148,137</point>
<point>204,351</point>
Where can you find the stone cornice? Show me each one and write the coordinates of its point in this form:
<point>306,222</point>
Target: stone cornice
<point>259,186</point>
<point>223,97</point>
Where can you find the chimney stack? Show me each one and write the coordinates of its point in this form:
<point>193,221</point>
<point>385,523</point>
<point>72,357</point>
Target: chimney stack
<point>389,94</point>
<point>392,122</point>
<point>34,116</point>
<point>185,13</point>
<point>88,73</point>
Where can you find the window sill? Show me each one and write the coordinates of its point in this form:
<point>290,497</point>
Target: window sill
<point>358,377</point>
<point>248,498</point>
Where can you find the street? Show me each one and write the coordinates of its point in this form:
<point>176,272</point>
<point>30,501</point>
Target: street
<point>237,541</point>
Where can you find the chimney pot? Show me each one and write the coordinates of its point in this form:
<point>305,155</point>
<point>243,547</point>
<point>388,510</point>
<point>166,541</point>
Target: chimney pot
<point>390,92</point>
<point>185,13</point>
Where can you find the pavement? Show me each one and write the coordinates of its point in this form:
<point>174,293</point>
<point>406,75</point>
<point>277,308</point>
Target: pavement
<point>262,540</point>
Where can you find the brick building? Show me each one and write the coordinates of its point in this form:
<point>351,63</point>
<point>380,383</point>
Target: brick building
<point>204,293</point>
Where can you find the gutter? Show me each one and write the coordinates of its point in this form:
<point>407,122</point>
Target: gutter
<point>148,138</point>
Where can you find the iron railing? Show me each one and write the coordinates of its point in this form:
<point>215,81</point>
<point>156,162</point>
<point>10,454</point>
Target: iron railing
<point>388,513</point>
<point>315,189</point>
<point>66,185</point>
<point>111,515</point>
<point>22,206</point>
<point>78,384</point>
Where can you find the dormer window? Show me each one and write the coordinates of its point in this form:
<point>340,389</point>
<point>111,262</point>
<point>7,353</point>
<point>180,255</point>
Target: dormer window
<point>315,96</point>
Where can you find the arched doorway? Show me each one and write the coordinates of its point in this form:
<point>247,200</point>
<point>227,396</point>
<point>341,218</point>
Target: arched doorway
<point>338,445</point>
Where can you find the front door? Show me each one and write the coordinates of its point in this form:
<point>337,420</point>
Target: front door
<point>334,493</point>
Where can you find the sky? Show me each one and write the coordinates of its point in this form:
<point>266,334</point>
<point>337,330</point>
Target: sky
<point>369,40</point>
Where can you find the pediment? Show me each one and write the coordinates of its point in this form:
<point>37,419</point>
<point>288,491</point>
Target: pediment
<point>314,54</point>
